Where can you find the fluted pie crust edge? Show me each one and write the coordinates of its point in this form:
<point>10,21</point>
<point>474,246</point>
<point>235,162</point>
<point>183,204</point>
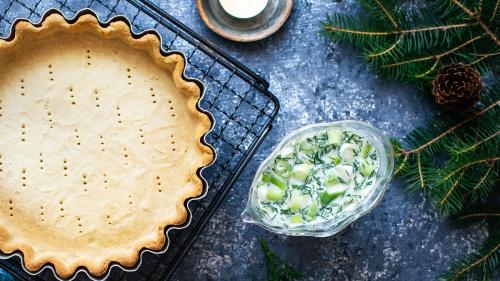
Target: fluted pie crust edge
<point>149,43</point>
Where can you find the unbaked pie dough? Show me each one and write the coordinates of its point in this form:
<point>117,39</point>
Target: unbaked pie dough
<point>100,142</point>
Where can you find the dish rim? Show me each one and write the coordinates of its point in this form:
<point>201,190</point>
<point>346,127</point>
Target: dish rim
<point>245,38</point>
<point>249,213</point>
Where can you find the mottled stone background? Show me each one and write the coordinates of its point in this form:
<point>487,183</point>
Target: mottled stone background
<point>317,81</point>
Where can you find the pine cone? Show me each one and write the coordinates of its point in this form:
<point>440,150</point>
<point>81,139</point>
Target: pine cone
<point>457,87</point>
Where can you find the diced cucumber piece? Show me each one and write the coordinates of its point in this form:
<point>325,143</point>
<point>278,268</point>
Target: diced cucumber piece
<point>348,152</point>
<point>366,150</point>
<point>336,159</point>
<point>302,171</point>
<point>335,136</point>
<point>366,169</point>
<point>287,152</point>
<point>296,219</point>
<point>344,172</point>
<point>275,193</point>
<point>331,180</point>
<point>282,167</point>
<point>297,201</point>
<point>262,192</point>
<point>274,179</point>
<point>325,198</point>
<point>337,189</point>
<point>331,193</point>
<point>307,147</point>
<point>313,210</point>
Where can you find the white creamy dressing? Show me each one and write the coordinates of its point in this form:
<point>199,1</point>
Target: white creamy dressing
<point>315,178</point>
<point>243,9</point>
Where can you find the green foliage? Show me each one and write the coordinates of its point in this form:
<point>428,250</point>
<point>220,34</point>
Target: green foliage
<point>454,161</point>
<point>480,264</point>
<point>412,45</point>
<point>276,268</point>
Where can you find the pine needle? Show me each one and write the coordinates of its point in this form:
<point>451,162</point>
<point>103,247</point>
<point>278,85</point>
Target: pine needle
<point>276,268</point>
<point>455,160</point>
<point>478,265</point>
<point>408,45</point>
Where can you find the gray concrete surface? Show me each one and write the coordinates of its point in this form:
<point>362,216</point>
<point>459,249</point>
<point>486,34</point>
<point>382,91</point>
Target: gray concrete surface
<point>316,81</point>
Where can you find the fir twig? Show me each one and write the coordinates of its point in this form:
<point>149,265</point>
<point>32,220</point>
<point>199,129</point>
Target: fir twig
<point>483,25</point>
<point>482,180</point>
<point>399,31</point>
<point>451,129</point>
<point>479,265</point>
<point>461,6</point>
<point>453,161</point>
<point>467,174</point>
<point>469,148</point>
<point>276,268</point>
<point>408,45</point>
<point>483,57</point>
<point>497,4</point>
<point>420,172</point>
<point>479,215</point>
<point>387,14</point>
<point>436,57</point>
<point>490,161</point>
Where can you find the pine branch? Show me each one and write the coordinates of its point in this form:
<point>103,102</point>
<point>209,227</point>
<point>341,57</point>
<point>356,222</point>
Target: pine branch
<point>481,264</point>
<point>444,159</point>
<point>455,161</point>
<point>483,57</point>
<point>331,28</point>
<point>383,13</point>
<point>436,57</point>
<point>489,32</point>
<point>479,215</point>
<point>420,172</point>
<point>402,165</point>
<point>387,14</point>
<point>489,161</point>
<point>465,9</point>
<point>453,186</point>
<point>451,129</point>
<point>277,269</point>
<point>485,215</point>
<point>482,182</point>
<point>497,4</point>
<point>463,147</point>
<point>408,45</point>
<point>478,265</point>
<point>481,23</point>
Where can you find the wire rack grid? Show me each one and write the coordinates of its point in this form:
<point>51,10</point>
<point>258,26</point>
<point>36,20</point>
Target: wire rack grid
<point>237,98</point>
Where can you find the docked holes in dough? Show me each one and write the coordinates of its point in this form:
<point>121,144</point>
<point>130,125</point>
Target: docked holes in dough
<point>158,183</point>
<point>11,207</point>
<point>96,97</point>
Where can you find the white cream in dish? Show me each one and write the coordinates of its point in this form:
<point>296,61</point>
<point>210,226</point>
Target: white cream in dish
<point>317,177</point>
<point>243,9</point>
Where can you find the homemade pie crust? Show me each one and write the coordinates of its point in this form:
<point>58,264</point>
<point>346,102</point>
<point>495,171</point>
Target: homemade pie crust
<point>100,144</point>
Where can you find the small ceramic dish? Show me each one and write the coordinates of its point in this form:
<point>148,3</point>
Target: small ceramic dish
<point>341,220</point>
<point>255,28</point>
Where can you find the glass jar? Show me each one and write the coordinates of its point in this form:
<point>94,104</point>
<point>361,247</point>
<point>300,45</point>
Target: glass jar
<point>347,216</point>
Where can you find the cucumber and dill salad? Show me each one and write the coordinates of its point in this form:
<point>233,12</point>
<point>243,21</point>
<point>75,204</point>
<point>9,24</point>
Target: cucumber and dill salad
<point>316,177</point>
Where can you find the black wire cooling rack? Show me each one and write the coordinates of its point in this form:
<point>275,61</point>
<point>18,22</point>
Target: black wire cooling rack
<point>238,99</point>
